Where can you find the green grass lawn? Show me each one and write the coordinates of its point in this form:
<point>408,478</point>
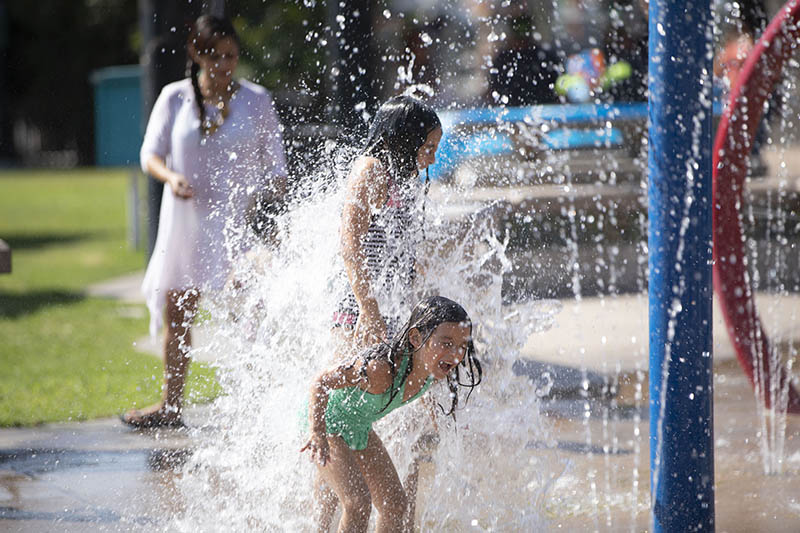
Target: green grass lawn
<point>63,355</point>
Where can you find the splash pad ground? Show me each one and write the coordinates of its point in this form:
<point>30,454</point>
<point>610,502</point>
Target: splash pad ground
<point>99,476</point>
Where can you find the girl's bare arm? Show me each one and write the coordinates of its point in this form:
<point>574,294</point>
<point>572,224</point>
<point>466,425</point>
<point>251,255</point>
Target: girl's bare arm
<point>367,189</point>
<point>379,378</point>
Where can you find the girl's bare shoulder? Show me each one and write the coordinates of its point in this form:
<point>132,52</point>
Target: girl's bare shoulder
<point>367,167</point>
<point>367,182</point>
<point>379,376</point>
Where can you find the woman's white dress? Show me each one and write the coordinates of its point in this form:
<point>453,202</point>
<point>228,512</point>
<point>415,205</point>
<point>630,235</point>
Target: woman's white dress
<point>198,238</point>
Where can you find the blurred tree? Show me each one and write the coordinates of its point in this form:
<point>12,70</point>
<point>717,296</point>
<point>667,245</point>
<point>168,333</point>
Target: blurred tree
<point>52,47</point>
<point>285,48</point>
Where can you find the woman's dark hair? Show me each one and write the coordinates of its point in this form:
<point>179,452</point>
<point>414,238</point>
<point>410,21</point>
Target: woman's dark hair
<point>398,131</point>
<point>204,35</point>
<point>425,317</point>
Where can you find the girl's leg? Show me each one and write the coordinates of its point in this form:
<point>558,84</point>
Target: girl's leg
<point>411,484</point>
<point>327,502</point>
<point>384,486</point>
<point>342,341</point>
<point>180,311</point>
<point>421,452</point>
<point>343,474</point>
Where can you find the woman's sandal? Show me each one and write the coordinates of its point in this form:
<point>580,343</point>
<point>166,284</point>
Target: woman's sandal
<point>136,419</point>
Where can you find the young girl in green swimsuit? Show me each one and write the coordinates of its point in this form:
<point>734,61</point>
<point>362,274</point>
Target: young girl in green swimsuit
<point>435,344</point>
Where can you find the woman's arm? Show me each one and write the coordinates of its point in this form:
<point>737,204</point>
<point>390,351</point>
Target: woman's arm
<point>366,191</point>
<point>157,167</point>
<point>157,142</point>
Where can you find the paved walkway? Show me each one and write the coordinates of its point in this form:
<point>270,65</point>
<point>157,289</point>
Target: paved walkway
<point>101,476</point>
<point>605,335</point>
<point>611,334</point>
<point>89,476</point>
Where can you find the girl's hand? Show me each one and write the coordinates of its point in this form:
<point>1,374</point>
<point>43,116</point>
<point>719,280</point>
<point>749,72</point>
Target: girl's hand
<point>180,186</point>
<point>317,445</point>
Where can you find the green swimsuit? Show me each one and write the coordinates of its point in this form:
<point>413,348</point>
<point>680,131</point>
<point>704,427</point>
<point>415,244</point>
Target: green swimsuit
<point>351,411</point>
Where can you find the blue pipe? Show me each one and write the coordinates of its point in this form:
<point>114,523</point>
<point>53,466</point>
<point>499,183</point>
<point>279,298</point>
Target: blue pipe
<point>680,290</point>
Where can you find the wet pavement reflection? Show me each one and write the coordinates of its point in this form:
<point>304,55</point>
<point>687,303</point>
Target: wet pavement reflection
<point>100,476</point>
<point>92,476</point>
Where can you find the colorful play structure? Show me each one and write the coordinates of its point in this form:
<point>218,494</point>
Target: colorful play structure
<point>684,194</point>
<point>737,130</point>
<point>680,282</point>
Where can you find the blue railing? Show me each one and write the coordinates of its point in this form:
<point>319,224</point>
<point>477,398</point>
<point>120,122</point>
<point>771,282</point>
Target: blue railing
<point>480,132</point>
<point>488,138</point>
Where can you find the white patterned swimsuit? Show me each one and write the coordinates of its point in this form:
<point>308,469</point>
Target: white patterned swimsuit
<point>389,246</point>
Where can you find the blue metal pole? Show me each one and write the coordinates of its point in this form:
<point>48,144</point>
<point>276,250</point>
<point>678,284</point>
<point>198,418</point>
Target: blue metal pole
<point>680,290</point>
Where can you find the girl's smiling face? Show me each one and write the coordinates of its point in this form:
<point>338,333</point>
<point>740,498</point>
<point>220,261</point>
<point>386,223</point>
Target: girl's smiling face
<point>444,349</point>
<point>427,152</point>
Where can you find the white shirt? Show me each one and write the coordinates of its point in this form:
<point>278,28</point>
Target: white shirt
<point>198,238</point>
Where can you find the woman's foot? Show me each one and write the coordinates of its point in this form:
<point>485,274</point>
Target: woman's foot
<point>155,417</point>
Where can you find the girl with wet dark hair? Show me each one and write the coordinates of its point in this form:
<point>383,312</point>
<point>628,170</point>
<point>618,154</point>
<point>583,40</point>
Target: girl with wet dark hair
<point>397,133</point>
<point>213,140</point>
<point>436,343</point>
<point>382,219</point>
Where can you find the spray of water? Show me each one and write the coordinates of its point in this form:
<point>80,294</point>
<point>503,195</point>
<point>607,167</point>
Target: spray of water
<point>271,339</point>
<point>771,256</point>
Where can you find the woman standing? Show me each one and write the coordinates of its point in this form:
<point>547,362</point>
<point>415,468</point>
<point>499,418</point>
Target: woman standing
<point>215,142</point>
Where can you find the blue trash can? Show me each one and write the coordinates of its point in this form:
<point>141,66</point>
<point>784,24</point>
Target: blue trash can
<point>117,112</point>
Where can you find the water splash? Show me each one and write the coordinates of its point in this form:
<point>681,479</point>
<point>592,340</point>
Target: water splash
<point>273,338</point>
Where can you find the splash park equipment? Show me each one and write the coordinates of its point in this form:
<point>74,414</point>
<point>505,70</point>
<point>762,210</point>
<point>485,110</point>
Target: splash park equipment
<point>680,289</point>
<point>236,472</point>
<point>735,138</point>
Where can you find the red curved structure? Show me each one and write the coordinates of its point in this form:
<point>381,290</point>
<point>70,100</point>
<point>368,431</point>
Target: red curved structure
<point>737,129</point>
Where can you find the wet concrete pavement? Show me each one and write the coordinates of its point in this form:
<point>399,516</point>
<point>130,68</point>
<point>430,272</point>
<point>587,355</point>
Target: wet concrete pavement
<point>101,476</point>
<point>90,476</point>
<point>81,488</point>
<point>609,491</point>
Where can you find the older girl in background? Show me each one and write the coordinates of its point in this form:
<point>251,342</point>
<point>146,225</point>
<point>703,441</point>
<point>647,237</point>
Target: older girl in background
<point>382,220</point>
